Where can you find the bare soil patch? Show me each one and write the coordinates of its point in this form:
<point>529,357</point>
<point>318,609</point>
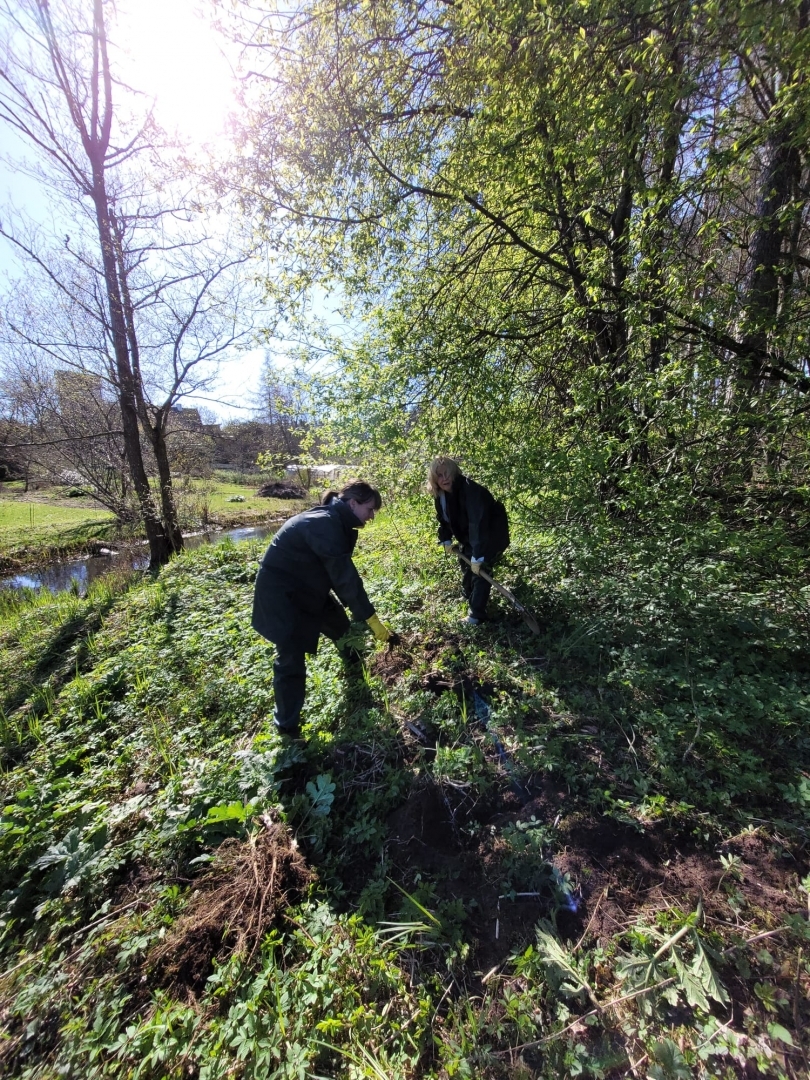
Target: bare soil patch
<point>622,876</point>
<point>280,489</point>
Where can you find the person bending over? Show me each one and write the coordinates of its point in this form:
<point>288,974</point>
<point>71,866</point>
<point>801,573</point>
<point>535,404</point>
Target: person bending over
<point>468,513</point>
<point>293,603</point>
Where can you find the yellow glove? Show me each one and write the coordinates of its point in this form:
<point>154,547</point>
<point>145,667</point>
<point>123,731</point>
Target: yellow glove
<point>475,565</point>
<point>379,629</point>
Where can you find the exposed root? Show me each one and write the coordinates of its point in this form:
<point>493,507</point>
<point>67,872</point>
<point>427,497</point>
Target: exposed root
<point>248,885</point>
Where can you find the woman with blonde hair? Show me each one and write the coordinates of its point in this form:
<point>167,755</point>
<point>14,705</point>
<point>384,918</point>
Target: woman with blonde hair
<point>309,559</point>
<point>469,514</point>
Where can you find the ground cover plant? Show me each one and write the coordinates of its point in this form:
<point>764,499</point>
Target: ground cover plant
<point>497,854</point>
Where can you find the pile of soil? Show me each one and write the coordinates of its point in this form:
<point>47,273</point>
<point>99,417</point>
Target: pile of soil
<point>622,876</point>
<point>250,882</point>
<point>281,489</point>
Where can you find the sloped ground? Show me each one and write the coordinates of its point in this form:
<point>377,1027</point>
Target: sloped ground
<point>602,870</point>
<point>233,906</point>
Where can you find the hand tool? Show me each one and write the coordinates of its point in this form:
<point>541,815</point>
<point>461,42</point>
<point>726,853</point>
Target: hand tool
<point>528,618</point>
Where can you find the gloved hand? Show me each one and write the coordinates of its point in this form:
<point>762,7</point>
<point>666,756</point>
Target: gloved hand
<point>475,565</point>
<point>379,629</point>
<point>448,546</point>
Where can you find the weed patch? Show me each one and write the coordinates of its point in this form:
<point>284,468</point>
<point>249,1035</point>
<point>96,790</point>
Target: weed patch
<point>495,854</point>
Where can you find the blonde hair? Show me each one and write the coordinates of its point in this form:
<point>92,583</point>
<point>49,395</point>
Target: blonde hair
<point>446,466</point>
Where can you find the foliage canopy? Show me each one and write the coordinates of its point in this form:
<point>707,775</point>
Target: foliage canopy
<point>576,233</point>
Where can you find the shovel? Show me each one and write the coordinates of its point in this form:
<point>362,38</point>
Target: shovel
<point>528,618</point>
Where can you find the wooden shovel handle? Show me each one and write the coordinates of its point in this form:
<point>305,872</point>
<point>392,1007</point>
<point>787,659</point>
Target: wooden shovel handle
<point>496,585</point>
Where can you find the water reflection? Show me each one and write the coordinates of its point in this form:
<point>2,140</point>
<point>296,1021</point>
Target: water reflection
<point>58,576</point>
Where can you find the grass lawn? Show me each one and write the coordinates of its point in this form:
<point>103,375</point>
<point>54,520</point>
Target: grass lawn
<point>495,855</point>
<point>45,522</point>
<point>223,502</point>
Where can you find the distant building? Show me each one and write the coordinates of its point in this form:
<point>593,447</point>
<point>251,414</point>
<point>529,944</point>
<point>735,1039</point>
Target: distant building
<point>73,387</point>
<point>187,419</point>
<point>309,473</point>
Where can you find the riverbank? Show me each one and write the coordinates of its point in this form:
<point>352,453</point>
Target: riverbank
<point>40,526</point>
<point>497,854</point>
<point>47,525</point>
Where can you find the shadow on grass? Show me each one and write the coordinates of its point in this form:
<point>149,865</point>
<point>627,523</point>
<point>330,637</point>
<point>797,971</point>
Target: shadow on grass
<point>642,742</point>
<point>62,655</point>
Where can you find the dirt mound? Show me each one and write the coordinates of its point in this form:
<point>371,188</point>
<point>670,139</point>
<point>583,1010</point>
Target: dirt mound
<point>415,651</point>
<point>280,489</point>
<point>620,875</point>
<point>250,882</point>
<point>595,877</point>
<point>424,821</point>
<point>625,874</point>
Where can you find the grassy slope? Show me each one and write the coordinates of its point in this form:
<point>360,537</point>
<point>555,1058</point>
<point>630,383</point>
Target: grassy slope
<point>658,784</point>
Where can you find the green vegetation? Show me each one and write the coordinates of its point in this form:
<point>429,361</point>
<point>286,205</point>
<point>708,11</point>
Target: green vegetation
<point>222,501</point>
<point>575,235</point>
<point>159,921</point>
<point>45,524</point>
<point>567,242</point>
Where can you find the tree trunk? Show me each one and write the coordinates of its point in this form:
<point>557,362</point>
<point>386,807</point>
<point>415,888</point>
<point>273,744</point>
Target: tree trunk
<point>156,433</point>
<point>155,430</point>
<point>91,115</point>
<point>781,171</point>
<point>767,278</point>
<point>160,548</point>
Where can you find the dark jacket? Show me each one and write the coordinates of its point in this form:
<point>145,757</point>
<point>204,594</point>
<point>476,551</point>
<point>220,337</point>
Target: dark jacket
<point>477,520</point>
<point>310,555</point>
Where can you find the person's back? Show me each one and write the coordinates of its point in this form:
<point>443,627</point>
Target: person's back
<point>310,557</point>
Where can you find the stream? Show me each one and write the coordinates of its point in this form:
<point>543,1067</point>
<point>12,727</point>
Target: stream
<point>60,574</point>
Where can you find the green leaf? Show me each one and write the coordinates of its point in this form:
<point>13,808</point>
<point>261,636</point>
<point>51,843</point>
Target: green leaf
<point>235,811</point>
<point>707,975</point>
<point>690,985</point>
<point>776,1031</point>
<point>673,1063</point>
<point>321,794</point>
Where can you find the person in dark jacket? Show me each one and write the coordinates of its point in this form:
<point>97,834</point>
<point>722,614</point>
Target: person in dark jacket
<point>309,559</point>
<point>468,513</point>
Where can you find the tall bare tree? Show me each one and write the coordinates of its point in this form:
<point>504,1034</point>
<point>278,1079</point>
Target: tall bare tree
<point>165,308</point>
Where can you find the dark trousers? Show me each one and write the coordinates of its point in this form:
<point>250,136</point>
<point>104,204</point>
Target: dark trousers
<point>290,668</point>
<point>476,590</point>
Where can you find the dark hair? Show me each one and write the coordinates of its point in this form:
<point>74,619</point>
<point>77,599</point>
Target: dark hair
<point>358,490</point>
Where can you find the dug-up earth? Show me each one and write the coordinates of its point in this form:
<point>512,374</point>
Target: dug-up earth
<point>621,873</point>
<point>622,876</point>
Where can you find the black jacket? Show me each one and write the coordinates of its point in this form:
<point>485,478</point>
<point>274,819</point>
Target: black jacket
<point>477,520</point>
<point>310,555</point>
